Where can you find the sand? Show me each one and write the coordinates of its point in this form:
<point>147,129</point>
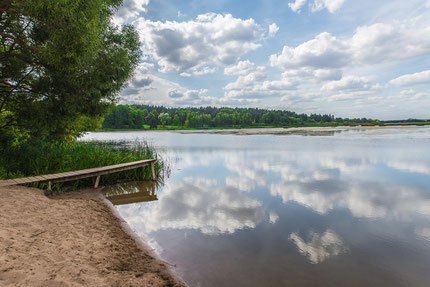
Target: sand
<point>317,131</point>
<point>71,240</point>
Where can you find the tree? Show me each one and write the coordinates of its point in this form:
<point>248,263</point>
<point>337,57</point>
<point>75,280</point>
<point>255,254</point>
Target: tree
<point>164,118</point>
<point>152,119</point>
<point>60,61</point>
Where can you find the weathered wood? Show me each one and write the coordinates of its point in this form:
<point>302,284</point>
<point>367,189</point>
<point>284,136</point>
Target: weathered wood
<point>80,174</point>
<point>152,171</point>
<point>97,181</point>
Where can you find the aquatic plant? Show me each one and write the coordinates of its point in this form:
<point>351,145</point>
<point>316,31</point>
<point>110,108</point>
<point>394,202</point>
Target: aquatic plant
<point>45,158</point>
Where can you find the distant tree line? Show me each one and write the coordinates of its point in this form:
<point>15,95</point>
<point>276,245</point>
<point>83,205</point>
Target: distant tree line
<point>141,116</point>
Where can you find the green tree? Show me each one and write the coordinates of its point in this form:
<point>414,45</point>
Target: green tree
<point>176,120</point>
<point>60,61</point>
<point>164,118</point>
<point>152,119</point>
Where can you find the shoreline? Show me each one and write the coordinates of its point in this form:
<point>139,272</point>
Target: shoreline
<point>269,131</point>
<point>75,238</point>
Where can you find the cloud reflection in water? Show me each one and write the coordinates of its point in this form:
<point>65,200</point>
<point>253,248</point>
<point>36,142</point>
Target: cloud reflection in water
<point>320,246</point>
<point>196,205</point>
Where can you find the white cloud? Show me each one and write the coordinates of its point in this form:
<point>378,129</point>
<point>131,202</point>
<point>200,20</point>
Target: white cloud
<point>390,42</point>
<point>412,79</point>
<point>297,5</point>
<point>370,45</point>
<point>349,83</point>
<point>211,39</point>
<point>273,29</point>
<point>241,68</point>
<point>129,11</point>
<point>317,5</point>
<point>312,74</point>
<point>331,5</point>
<point>325,51</point>
<point>204,71</point>
<point>320,247</point>
<point>254,84</point>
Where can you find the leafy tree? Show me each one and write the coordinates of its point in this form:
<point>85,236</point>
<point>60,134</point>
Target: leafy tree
<point>152,119</point>
<point>164,118</point>
<point>60,61</point>
<point>204,117</point>
<point>176,120</point>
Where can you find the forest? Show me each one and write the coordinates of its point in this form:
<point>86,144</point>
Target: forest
<point>159,117</point>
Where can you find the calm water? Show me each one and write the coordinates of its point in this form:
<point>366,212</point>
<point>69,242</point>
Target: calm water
<point>346,209</point>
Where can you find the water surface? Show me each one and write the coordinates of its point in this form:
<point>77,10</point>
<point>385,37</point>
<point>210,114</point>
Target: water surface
<point>350,208</point>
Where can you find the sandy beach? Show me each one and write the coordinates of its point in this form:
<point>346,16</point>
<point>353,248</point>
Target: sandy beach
<point>290,131</point>
<point>72,240</point>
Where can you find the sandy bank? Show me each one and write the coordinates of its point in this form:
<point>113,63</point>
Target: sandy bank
<point>71,240</point>
<point>290,131</point>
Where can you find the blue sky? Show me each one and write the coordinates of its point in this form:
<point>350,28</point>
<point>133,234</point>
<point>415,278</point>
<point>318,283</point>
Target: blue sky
<point>348,58</point>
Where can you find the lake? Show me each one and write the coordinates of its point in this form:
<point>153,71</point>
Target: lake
<point>347,208</point>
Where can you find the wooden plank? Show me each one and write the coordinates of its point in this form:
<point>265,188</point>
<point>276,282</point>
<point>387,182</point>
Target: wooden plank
<point>19,180</point>
<point>80,174</point>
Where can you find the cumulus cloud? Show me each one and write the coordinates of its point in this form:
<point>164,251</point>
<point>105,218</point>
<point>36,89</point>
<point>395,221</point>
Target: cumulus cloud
<point>189,97</point>
<point>372,44</point>
<point>252,83</point>
<point>349,83</point>
<point>412,79</point>
<point>130,11</point>
<point>241,68</point>
<point>317,5</point>
<point>273,29</point>
<point>390,42</point>
<point>320,247</point>
<point>325,51</point>
<point>204,71</point>
<point>297,5</point>
<point>331,5</point>
<point>311,74</point>
<point>209,40</point>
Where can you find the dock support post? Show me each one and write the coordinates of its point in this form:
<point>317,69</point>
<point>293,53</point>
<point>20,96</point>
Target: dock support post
<point>152,171</point>
<point>97,181</point>
<point>49,186</point>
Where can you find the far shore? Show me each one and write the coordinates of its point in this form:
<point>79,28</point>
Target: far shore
<point>270,131</point>
<point>74,239</point>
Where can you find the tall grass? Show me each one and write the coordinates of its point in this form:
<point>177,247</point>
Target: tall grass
<point>42,158</point>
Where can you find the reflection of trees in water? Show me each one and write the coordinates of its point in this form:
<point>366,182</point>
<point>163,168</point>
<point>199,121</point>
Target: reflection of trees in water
<point>131,192</point>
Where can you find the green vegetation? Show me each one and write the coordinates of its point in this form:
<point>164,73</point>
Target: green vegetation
<point>45,158</point>
<point>62,65</point>
<point>61,61</point>
<point>140,117</point>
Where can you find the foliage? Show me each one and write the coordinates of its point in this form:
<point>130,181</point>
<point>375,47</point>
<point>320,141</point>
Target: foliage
<point>164,118</point>
<point>41,158</point>
<point>121,117</point>
<point>60,61</point>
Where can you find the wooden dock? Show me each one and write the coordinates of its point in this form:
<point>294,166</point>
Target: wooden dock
<point>83,173</point>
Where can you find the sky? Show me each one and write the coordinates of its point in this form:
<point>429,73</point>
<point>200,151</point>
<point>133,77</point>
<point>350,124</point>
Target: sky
<point>348,58</point>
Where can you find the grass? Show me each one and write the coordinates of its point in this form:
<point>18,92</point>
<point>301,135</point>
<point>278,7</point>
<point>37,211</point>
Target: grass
<point>42,158</point>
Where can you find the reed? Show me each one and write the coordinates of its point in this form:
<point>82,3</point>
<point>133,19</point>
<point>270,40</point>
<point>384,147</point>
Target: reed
<point>43,158</point>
